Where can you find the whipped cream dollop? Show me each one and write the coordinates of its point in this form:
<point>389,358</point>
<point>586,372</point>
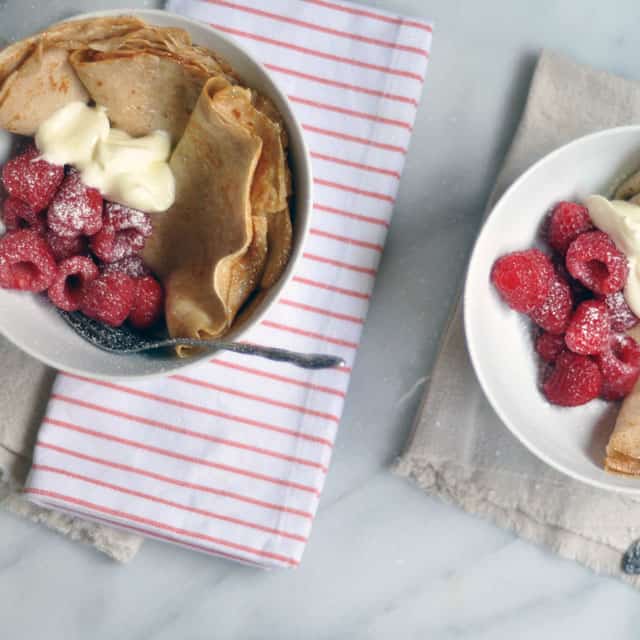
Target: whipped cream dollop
<point>132,171</point>
<point>621,221</point>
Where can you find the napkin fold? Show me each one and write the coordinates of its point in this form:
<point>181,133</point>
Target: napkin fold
<point>229,457</point>
<point>459,450</point>
<point>25,384</point>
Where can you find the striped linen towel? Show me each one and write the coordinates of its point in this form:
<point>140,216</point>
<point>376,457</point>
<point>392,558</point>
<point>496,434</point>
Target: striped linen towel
<point>230,457</point>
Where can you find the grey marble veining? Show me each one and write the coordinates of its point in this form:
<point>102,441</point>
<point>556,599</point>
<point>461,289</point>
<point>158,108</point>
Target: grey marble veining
<point>384,561</point>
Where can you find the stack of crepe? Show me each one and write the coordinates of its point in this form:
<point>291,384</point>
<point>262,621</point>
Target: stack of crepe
<point>623,449</point>
<point>228,236</point>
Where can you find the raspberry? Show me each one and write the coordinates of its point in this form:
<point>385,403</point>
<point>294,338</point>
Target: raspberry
<point>123,233</point>
<point>589,329</point>
<point>579,292</point>
<point>30,180</point>
<point>132,266</point>
<point>620,367</point>
<point>554,313</point>
<point>123,217</point>
<point>17,214</point>
<point>622,318</point>
<point>110,245</point>
<point>523,279</point>
<point>549,346</point>
<point>26,262</point>
<point>74,276</point>
<point>109,298</point>
<point>594,259</point>
<point>148,304</point>
<point>566,222</point>
<point>76,209</point>
<point>573,380</point>
<point>63,247</point>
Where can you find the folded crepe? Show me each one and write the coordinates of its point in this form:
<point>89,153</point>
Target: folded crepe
<point>271,184</point>
<point>214,245</point>
<point>148,79</point>
<point>197,243</point>
<point>36,78</point>
<point>623,448</point>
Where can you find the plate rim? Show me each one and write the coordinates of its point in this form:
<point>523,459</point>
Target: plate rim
<point>306,200</point>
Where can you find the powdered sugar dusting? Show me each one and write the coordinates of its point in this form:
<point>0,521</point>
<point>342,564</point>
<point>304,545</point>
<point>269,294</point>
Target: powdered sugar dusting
<point>133,266</point>
<point>110,245</point>
<point>109,298</point>
<point>32,180</point>
<point>76,209</point>
<point>622,318</point>
<point>123,217</point>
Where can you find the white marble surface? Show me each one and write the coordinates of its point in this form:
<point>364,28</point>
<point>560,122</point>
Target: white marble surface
<point>384,561</point>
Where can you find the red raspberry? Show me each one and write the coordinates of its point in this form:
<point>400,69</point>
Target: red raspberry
<point>594,259</point>
<point>523,279</point>
<point>109,298</point>
<point>589,329</point>
<point>76,209</point>
<point>74,276</point>
<point>573,380</point>
<point>554,313</point>
<point>63,247</point>
<point>133,266</point>
<point>123,233</point>
<point>110,245</point>
<point>26,262</point>
<point>566,222</point>
<point>17,214</point>
<point>620,367</point>
<point>123,217</point>
<point>148,304</point>
<point>622,318</point>
<point>579,292</point>
<point>30,180</point>
<point>549,346</point>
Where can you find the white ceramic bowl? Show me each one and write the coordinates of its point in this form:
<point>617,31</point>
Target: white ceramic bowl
<point>499,340</point>
<point>32,323</point>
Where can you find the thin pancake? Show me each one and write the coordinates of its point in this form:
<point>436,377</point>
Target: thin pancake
<point>141,91</point>
<point>629,188</point>
<point>269,188</point>
<point>195,246</point>
<point>42,84</point>
<point>621,464</point>
<point>35,76</point>
<point>247,270</point>
<point>279,239</point>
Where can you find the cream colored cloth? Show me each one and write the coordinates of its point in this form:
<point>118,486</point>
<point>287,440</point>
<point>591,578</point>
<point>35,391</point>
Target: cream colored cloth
<point>24,390</point>
<point>459,450</point>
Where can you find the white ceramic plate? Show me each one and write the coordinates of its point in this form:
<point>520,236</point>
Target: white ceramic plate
<point>33,324</point>
<point>499,340</point>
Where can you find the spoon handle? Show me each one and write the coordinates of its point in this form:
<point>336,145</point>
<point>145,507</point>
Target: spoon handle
<point>304,360</point>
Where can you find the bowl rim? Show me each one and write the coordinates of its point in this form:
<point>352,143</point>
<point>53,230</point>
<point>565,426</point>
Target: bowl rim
<point>303,181</point>
<point>470,339</point>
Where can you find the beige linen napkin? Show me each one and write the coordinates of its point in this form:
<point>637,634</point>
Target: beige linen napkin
<point>459,450</point>
<point>24,391</point>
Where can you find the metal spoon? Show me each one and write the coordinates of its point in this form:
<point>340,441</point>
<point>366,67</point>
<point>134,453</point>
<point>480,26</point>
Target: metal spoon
<point>125,340</point>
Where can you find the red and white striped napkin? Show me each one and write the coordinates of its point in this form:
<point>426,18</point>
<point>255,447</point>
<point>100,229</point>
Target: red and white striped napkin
<point>230,457</point>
